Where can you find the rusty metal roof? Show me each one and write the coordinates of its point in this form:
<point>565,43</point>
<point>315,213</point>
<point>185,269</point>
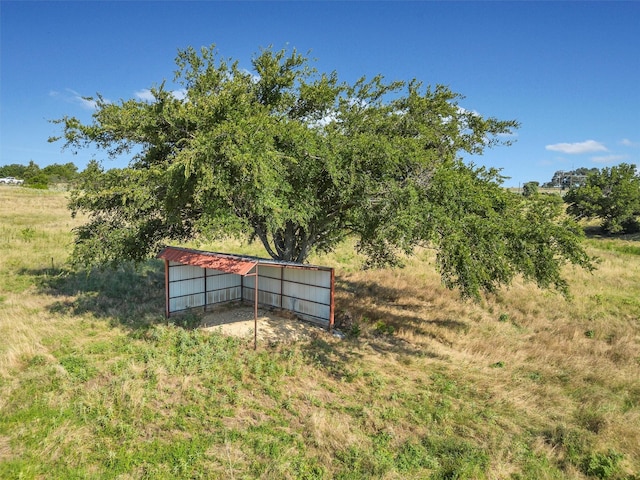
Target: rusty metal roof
<point>216,261</point>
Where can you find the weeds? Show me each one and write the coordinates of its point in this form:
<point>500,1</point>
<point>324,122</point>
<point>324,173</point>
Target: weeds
<point>602,465</point>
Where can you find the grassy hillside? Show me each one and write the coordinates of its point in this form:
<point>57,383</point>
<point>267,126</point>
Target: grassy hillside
<point>94,383</point>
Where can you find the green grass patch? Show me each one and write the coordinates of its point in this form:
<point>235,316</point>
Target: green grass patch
<point>623,247</point>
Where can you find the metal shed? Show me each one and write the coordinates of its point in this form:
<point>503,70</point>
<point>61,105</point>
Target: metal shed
<point>200,279</point>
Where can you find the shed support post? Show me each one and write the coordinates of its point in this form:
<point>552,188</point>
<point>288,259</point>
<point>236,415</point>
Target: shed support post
<point>167,312</point>
<point>205,288</point>
<point>331,295</point>
<point>281,285</point>
<point>255,312</point>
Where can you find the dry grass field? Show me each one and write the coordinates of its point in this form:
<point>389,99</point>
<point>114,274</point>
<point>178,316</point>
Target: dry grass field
<point>95,383</point>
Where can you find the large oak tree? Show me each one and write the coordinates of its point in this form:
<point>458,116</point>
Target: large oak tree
<point>300,160</point>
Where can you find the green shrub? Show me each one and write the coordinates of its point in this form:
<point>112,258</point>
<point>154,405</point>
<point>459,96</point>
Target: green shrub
<point>602,465</point>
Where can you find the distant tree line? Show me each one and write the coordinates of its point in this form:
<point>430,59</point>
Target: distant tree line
<point>36,177</point>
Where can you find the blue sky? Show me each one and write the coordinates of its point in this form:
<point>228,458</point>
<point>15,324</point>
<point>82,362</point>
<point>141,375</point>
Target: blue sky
<point>568,71</point>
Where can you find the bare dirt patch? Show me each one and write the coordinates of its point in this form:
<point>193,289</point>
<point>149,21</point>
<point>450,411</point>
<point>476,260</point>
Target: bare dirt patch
<point>278,326</point>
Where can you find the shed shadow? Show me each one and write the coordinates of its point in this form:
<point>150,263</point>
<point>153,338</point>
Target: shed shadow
<point>385,311</point>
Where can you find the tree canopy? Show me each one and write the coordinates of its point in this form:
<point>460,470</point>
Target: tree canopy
<point>300,160</point>
<point>530,188</point>
<point>612,195</point>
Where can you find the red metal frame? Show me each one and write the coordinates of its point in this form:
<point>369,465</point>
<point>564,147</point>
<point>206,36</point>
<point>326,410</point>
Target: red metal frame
<point>167,311</point>
<point>332,306</point>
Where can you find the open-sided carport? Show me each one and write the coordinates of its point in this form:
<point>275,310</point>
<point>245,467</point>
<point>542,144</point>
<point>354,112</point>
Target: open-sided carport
<point>200,279</point>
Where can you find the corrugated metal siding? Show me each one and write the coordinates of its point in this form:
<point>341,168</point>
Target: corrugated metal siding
<point>187,287</point>
<point>223,287</point>
<point>320,278</point>
<point>311,311</point>
<point>178,271</point>
<point>221,296</point>
<point>270,272</point>
<point>306,292</point>
<point>310,300</point>
<point>222,280</point>
<point>177,304</point>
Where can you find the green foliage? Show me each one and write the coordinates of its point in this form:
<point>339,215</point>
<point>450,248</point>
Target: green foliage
<point>37,180</point>
<point>27,234</point>
<point>300,160</point>
<point>602,465</point>
<point>573,442</point>
<point>61,173</point>
<point>383,328</point>
<point>33,176</point>
<point>487,235</point>
<point>355,330</point>
<point>612,195</point>
<point>13,170</point>
<point>577,447</point>
<point>41,178</point>
<point>618,246</point>
<point>530,188</point>
<point>458,458</point>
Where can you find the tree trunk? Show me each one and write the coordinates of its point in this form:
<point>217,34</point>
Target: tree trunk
<point>291,244</point>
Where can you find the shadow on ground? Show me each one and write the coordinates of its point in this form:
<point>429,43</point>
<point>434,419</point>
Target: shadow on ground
<point>596,232</point>
<point>129,296</point>
<point>384,311</point>
<point>393,306</point>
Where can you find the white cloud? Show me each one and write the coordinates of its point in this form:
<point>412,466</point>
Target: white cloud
<point>87,104</point>
<point>74,97</point>
<point>145,94</point>
<point>329,117</point>
<point>588,146</point>
<point>609,158</point>
<point>463,110</point>
<point>628,143</point>
<point>255,78</point>
<point>179,94</point>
